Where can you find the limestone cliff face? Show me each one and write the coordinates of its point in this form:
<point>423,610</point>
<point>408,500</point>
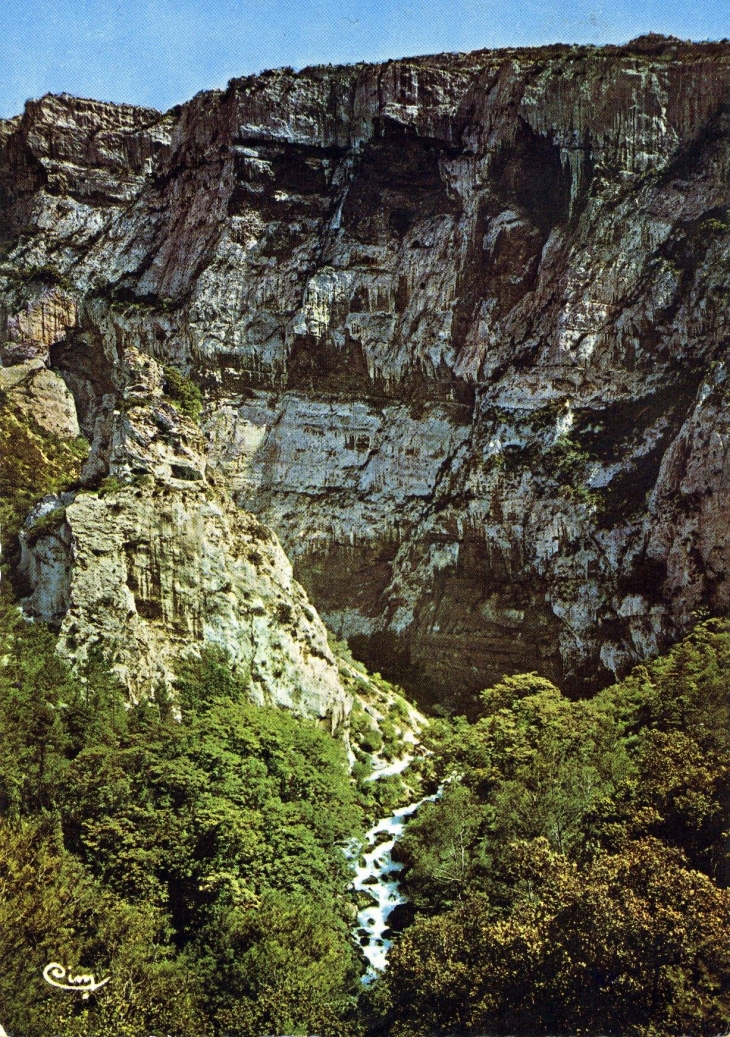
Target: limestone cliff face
<point>158,571</point>
<point>156,561</point>
<point>460,322</point>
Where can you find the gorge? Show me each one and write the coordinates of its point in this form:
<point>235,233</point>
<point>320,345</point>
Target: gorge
<point>364,483</point>
<point>459,326</point>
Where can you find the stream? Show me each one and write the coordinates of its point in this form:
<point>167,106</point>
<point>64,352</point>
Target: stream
<point>378,877</point>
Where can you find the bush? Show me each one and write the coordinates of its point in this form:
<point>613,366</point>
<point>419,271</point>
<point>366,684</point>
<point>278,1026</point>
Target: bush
<point>147,848</point>
<point>33,463</point>
<point>363,731</point>
<point>110,485</point>
<point>48,523</point>
<point>184,392</point>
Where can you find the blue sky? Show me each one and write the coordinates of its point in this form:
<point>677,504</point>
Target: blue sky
<point>161,52</point>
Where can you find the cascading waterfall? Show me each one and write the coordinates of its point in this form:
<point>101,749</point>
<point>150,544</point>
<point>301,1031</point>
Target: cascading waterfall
<point>378,877</point>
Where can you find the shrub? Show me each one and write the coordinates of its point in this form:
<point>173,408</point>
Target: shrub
<point>184,392</point>
<point>48,523</point>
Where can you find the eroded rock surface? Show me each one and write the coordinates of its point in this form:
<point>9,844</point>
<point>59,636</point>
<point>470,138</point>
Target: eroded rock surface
<point>157,572</point>
<point>157,561</point>
<point>41,396</point>
<point>460,322</point>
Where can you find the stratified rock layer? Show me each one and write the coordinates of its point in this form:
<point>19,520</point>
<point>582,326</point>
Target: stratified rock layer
<point>460,322</point>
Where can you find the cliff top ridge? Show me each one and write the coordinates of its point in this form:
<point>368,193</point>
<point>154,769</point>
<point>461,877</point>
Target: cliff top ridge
<point>650,44</point>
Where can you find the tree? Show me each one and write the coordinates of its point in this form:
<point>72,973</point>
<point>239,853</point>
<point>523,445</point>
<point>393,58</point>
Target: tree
<point>51,909</point>
<point>440,845</point>
<point>288,968</point>
<point>634,941</point>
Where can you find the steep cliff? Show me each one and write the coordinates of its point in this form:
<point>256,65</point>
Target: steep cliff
<point>155,561</point>
<point>459,323</point>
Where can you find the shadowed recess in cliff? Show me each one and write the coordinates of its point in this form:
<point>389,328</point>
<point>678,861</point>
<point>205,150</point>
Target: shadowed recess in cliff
<point>459,322</point>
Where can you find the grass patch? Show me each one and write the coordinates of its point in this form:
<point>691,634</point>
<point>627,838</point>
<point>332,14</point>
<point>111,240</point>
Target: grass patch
<point>111,484</point>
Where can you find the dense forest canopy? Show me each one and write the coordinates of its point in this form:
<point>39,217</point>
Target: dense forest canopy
<point>571,878</point>
<point>195,858</point>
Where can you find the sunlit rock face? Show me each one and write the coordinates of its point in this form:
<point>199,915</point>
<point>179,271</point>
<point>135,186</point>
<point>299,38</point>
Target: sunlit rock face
<point>157,562</point>
<point>460,322</point>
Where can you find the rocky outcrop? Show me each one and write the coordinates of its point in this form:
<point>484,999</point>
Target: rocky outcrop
<point>41,396</point>
<point>460,324</point>
<point>41,323</point>
<point>156,561</point>
<point>157,572</point>
<point>36,401</point>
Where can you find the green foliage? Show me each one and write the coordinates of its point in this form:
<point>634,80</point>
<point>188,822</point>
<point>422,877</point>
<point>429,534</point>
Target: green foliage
<point>51,909</point>
<point>567,460</point>
<point>110,485</point>
<point>43,272</point>
<point>544,419</point>
<point>288,968</point>
<point>184,392</point>
<point>33,463</point>
<point>564,460</point>
<point>48,523</point>
<point>391,739</point>
<point>33,682</point>
<point>341,651</point>
<point>195,861</point>
<point>361,770</point>
<point>715,224</point>
<point>442,847</point>
<point>685,690</point>
<point>123,299</point>
<point>386,794</point>
<point>399,709</point>
<point>364,732</point>
<point>581,494</point>
<point>635,942</point>
<point>514,688</point>
<point>573,876</point>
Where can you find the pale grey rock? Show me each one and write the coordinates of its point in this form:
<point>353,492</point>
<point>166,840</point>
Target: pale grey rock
<point>40,324</point>
<point>454,318</point>
<point>159,562</point>
<point>46,560</point>
<point>159,571</point>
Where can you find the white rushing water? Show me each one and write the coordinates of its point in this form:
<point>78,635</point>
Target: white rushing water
<point>378,877</point>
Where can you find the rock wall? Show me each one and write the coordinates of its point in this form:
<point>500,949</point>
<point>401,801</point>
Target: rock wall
<point>156,561</point>
<point>460,322</point>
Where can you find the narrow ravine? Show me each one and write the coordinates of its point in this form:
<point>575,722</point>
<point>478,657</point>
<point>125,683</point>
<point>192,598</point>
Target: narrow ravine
<point>378,877</point>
